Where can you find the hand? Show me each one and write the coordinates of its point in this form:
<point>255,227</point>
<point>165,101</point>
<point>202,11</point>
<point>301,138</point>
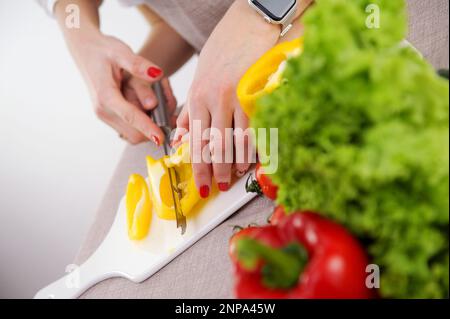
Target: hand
<point>236,43</point>
<point>120,86</point>
<point>138,93</point>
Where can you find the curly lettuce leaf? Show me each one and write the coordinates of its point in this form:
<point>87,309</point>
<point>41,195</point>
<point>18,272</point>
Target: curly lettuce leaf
<point>364,138</point>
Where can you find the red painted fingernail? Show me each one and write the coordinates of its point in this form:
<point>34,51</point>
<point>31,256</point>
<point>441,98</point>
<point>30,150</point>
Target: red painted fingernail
<point>154,72</point>
<point>204,191</point>
<point>155,140</point>
<point>223,187</point>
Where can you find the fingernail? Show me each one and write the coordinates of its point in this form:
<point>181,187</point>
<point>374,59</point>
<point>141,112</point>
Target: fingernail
<point>223,187</point>
<point>155,140</point>
<point>154,72</point>
<point>240,173</point>
<point>204,191</point>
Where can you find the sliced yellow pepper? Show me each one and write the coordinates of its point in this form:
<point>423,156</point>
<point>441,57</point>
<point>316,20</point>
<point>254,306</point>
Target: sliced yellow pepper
<point>266,74</point>
<point>161,192</point>
<point>138,206</point>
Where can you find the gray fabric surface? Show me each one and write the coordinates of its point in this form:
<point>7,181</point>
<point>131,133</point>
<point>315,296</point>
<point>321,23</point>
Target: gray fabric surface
<point>194,20</point>
<point>204,270</point>
<point>428,29</point>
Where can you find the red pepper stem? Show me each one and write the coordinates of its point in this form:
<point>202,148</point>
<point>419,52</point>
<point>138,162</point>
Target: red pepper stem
<point>281,269</point>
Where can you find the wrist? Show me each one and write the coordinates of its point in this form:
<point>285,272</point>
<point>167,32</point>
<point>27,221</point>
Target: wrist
<point>260,23</point>
<point>89,25</point>
<point>254,23</point>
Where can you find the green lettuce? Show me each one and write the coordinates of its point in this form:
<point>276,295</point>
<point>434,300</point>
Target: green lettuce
<point>364,138</point>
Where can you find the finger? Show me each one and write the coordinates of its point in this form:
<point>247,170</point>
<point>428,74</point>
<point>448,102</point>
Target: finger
<point>170,97</point>
<point>125,131</point>
<point>145,95</point>
<point>199,123</point>
<point>173,121</point>
<point>244,151</point>
<point>221,142</point>
<point>133,116</point>
<point>137,65</point>
<point>130,95</point>
<point>182,125</point>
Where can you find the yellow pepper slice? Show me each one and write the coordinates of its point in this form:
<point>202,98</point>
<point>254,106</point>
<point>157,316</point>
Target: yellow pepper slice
<point>161,193</point>
<point>266,74</point>
<point>138,206</point>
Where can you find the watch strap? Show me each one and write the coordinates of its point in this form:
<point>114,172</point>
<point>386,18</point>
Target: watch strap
<point>286,23</point>
<point>289,20</point>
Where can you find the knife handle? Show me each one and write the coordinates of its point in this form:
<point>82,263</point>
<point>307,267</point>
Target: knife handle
<point>159,113</point>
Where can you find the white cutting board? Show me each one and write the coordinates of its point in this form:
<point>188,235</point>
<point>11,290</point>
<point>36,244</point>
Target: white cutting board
<point>118,256</point>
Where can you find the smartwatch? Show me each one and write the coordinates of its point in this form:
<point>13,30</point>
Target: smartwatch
<point>280,12</point>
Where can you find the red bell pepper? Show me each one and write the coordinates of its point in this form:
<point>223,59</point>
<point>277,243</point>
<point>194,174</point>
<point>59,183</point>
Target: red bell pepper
<point>303,256</point>
<point>277,215</point>
<point>263,185</point>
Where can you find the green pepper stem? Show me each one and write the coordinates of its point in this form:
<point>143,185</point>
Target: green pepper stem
<point>282,267</point>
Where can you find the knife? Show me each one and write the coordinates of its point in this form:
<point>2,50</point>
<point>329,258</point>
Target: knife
<point>161,118</point>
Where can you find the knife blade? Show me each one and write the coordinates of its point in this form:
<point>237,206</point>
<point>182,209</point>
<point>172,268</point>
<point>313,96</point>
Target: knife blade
<point>161,118</point>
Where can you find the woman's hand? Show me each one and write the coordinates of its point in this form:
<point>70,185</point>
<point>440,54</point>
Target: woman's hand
<point>237,42</point>
<point>137,92</point>
<point>119,100</point>
<point>119,81</point>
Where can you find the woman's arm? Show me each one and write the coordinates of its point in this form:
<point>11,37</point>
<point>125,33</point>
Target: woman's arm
<point>164,45</point>
<point>240,38</point>
<point>89,20</point>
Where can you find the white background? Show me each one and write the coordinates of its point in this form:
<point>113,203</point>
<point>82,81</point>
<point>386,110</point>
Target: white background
<point>56,158</point>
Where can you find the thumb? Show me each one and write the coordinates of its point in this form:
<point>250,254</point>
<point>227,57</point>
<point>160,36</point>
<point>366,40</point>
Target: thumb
<point>182,126</point>
<point>139,66</point>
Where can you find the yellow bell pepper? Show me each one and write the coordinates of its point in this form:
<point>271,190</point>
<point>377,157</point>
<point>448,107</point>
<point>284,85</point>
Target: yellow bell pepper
<point>161,193</point>
<point>138,206</point>
<point>265,75</point>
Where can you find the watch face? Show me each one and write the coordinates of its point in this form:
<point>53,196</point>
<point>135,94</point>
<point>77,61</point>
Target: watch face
<point>275,9</point>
